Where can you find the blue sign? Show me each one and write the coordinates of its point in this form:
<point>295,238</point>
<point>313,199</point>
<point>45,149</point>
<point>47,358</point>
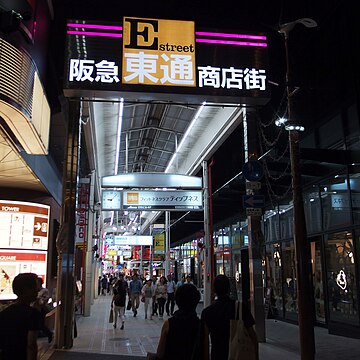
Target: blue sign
<point>253,201</point>
<point>253,170</point>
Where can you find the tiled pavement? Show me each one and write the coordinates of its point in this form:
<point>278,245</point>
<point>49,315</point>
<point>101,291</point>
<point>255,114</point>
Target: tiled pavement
<point>97,339</point>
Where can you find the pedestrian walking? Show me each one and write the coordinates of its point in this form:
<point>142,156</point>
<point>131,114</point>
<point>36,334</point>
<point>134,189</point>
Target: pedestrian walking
<point>104,285</point>
<point>147,292</point>
<point>135,291</point>
<point>161,294</point>
<point>184,325</point>
<point>154,303</point>
<point>216,319</point>
<point>118,302</point>
<point>170,289</point>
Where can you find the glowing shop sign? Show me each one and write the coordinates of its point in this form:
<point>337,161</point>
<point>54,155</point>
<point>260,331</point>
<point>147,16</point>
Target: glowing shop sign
<point>227,78</point>
<point>158,52</point>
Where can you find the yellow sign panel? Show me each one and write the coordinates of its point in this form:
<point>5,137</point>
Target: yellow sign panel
<point>112,253</point>
<point>132,197</point>
<point>158,52</point>
<point>159,243</point>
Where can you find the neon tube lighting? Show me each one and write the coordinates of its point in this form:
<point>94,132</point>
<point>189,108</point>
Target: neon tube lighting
<point>93,26</point>
<point>187,132</point>
<point>236,36</point>
<point>120,118</point>
<point>90,33</point>
<point>228,42</point>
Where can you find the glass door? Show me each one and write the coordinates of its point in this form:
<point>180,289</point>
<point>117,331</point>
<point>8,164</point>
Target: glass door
<point>318,276</point>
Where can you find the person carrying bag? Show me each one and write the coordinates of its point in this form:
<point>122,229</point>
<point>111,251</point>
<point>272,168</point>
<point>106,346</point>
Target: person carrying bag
<point>241,342</point>
<point>225,322</point>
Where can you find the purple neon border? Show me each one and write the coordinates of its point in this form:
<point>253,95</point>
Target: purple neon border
<point>93,26</point>
<point>236,36</point>
<point>228,42</point>
<point>93,33</point>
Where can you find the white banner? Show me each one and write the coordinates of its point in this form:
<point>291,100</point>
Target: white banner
<point>133,240</point>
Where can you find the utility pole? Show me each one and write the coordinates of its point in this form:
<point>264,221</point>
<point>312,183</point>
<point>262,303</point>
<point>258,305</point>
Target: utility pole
<point>302,253</point>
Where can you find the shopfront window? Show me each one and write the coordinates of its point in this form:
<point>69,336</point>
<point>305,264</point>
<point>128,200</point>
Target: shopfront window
<point>341,278</point>
<point>271,225</point>
<point>274,279</point>
<point>223,258</point>
<point>317,274</point>
<point>289,280</point>
<point>355,195</point>
<point>336,202</point>
<point>286,221</point>
<point>312,209</point>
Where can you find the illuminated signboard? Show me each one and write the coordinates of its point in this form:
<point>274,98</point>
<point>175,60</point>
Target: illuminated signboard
<point>162,200</point>
<point>165,59</point>
<point>158,52</point>
<point>133,240</point>
<point>24,231</point>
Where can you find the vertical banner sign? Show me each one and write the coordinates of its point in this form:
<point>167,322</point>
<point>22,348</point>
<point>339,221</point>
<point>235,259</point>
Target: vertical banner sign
<point>159,244</point>
<point>82,211</point>
<point>158,52</point>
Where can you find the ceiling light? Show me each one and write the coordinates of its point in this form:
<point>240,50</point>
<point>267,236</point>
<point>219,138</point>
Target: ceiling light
<point>186,134</point>
<point>118,135</point>
<point>294,128</point>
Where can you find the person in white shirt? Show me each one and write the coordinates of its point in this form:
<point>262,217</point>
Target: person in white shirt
<point>170,303</point>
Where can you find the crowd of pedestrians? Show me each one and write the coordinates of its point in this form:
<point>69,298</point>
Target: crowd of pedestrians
<point>202,338</point>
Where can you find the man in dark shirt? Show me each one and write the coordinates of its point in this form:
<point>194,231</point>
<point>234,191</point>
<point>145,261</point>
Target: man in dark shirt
<point>216,321</point>
<point>19,322</point>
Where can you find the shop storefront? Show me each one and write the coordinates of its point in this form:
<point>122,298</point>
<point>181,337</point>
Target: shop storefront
<point>333,238</point>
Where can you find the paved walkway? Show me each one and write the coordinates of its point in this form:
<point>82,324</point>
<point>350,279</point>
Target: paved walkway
<point>97,339</point>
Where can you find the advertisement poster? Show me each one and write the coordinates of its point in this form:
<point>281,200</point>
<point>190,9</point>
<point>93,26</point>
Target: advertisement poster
<point>24,233</point>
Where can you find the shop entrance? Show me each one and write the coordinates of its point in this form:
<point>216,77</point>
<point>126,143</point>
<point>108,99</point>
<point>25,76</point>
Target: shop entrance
<point>318,280</point>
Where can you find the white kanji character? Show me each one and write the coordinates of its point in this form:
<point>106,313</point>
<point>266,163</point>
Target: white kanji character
<point>141,65</point>
<point>209,76</point>
<point>74,69</point>
<point>181,70</point>
<point>81,70</point>
<point>107,71</point>
<point>254,79</point>
<point>232,78</point>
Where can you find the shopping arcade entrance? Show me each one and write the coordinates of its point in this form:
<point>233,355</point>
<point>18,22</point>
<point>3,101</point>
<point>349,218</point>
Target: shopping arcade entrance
<point>144,127</point>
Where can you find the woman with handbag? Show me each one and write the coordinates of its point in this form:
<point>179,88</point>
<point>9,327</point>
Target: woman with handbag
<point>147,293</point>
<point>161,293</point>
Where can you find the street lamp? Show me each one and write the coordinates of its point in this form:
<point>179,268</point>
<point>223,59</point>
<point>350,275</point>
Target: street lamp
<point>303,274</point>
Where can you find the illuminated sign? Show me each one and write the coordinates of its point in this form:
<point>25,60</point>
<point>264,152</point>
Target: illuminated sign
<point>14,262</point>
<point>133,240</point>
<point>162,200</point>
<point>165,60</point>
<point>158,52</point>
<point>24,225</point>
<point>24,231</point>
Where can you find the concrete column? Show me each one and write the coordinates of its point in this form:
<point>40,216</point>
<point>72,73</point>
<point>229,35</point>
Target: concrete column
<point>89,258</point>
<point>65,242</point>
<point>207,239</point>
<point>256,238</point>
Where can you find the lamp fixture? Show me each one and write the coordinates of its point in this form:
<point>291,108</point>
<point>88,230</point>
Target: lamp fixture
<point>294,128</point>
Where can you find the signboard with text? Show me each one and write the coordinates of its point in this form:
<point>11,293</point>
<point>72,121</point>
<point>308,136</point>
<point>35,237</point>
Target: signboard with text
<point>24,232</point>
<point>162,200</point>
<point>165,59</point>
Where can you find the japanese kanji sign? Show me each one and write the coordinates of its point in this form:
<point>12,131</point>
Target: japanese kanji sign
<point>166,59</point>
<point>162,200</point>
<point>158,52</point>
